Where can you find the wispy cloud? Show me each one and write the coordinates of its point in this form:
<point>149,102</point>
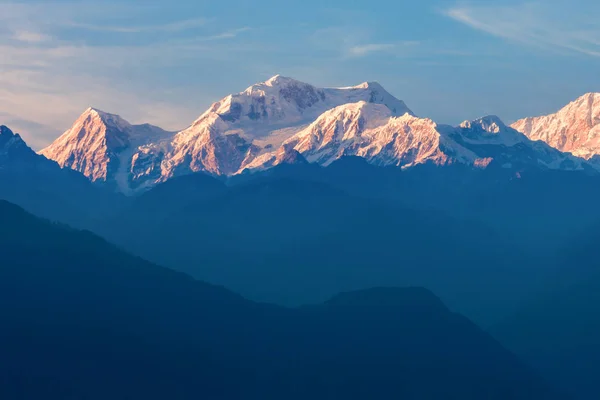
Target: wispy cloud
<point>403,48</point>
<point>176,26</point>
<point>366,49</point>
<point>49,76</point>
<point>224,35</point>
<point>30,36</point>
<point>538,24</point>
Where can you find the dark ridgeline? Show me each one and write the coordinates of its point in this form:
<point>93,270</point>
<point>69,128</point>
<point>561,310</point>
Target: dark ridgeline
<point>82,319</point>
<point>45,189</point>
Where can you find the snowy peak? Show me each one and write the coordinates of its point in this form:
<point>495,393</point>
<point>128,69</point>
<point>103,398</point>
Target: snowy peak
<point>95,143</point>
<point>574,129</point>
<point>339,126</point>
<point>366,130</point>
<point>279,80</point>
<point>248,129</point>
<point>283,100</point>
<point>367,113</point>
<point>490,130</point>
<point>98,116</point>
<point>489,124</point>
<point>277,99</point>
<point>372,92</point>
<point>370,131</point>
<point>283,120</point>
<point>368,85</point>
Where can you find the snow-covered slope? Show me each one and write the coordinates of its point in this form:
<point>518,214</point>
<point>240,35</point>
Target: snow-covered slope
<point>574,129</point>
<point>283,120</point>
<point>372,132</point>
<point>101,145</point>
<point>240,127</point>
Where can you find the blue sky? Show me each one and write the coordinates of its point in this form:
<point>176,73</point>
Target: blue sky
<point>164,62</point>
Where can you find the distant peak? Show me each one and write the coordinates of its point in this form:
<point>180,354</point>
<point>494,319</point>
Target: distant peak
<point>369,85</point>
<point>491,119</point>
<point>489,123</point>
<point>9,139</point>
<point>589,98</point>
<point>106,118</point>
<point>96,111</point>
<point>5,131</point>
<point>279,80</point>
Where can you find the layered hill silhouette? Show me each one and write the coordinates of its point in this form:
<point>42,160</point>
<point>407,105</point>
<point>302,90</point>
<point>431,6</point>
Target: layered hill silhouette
<point>288,193</point>
<point>295,241</point>
<point>83,319</point>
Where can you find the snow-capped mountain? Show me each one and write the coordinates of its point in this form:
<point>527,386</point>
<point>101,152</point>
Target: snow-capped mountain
<point>372,132</point>
<point>283,120</point>
<point>228,136</point>
<point>574,129</point>
<point>101,146</point>
<point>240,127</point>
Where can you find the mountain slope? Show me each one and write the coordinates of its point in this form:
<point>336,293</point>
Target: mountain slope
<point>230,134</point>
<point>371,131</point>
<point>283,120</point>
<point>574,129</point>
<point>44,188</point>
<point>239,127</point>
<point>82,319</point>
<point>101,146</point>
<point>331,241</point>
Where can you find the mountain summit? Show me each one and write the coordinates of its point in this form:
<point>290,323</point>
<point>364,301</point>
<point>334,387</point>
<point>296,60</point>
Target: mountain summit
<point>574,129</point>
<point>17,157</point>
<point>282,120</point>
<point>100,146</point>
<point>224,140</point>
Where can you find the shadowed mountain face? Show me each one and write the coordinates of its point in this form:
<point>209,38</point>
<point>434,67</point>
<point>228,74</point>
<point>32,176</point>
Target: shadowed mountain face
<point>84,320</point>
<point>42,187</point>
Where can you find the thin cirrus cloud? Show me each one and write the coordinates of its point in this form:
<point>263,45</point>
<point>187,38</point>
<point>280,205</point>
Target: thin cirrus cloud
<point>177,26</point>
<point>42,64</point>
<point>536,24</point>
<point>30,37</point>
<point>366,49</point>
<point>401,48</point>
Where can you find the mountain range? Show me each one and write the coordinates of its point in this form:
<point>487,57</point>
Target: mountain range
<point>290,194</point>
<point>283,120</point>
